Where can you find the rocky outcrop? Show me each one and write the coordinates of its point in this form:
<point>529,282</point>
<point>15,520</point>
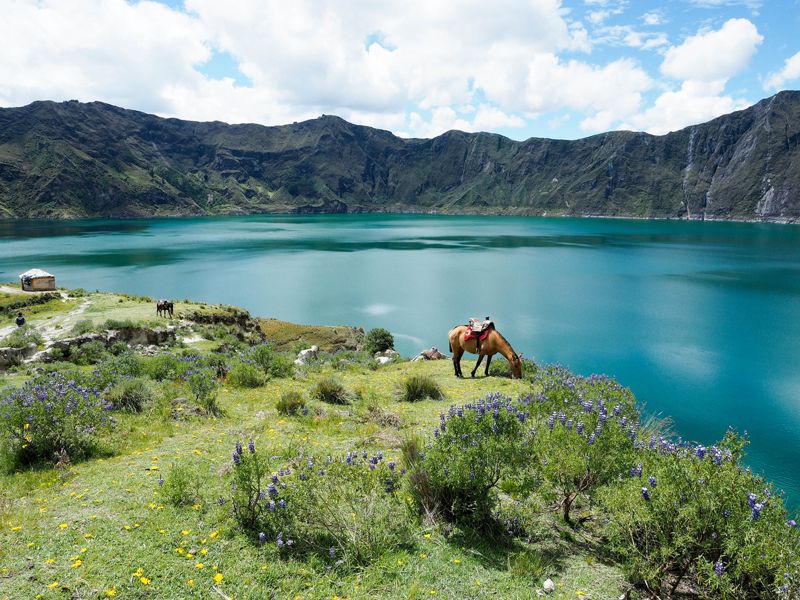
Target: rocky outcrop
<point>133,336</point>
<point>70,160</point>
<point>10,357</point>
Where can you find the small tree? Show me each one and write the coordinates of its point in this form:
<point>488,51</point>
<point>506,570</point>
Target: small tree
<point>378,340</point>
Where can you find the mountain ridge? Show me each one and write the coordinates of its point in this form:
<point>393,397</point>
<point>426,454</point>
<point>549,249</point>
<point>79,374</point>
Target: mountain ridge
<point>74,160</point>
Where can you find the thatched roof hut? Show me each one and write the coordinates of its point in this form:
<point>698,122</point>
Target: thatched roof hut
<point>37,280</point>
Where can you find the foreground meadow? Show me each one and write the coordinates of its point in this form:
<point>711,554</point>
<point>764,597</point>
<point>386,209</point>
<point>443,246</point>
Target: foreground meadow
<point>212,466</point>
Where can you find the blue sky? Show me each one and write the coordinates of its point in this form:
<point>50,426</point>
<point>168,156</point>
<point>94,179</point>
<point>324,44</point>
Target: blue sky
<point>521,68</point>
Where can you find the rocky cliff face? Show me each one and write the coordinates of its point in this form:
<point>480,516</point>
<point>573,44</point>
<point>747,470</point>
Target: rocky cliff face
<point>70,160</point>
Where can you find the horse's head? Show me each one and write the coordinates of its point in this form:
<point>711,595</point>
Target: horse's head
<point>516,366</point>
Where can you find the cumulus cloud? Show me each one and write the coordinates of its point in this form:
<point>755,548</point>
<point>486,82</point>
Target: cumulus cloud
<point>789,72</point>
<point>704,62</point>
<point>713,55</point>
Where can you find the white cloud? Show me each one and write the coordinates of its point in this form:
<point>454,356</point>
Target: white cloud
<point>713,55</point>
<point>704,62</point>
<point>111,50</point>
<point>694,102</point>
<point>789,72</point>
<point>653,18</point>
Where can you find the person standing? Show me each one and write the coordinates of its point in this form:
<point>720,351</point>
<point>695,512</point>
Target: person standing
<point>20,320</point>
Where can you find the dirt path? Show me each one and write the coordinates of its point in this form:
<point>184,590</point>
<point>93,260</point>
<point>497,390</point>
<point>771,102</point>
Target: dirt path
<point>52,328</point>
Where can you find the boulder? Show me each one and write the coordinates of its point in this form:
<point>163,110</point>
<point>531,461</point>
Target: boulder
<point>431,354</point>
<point>548,585</point>
<point>304,356</point>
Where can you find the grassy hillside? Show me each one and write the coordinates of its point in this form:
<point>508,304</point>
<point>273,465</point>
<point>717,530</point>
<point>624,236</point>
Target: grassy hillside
<point>144,504</point>
<point>71,160</point>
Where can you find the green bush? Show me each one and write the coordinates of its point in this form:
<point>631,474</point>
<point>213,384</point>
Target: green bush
<point>291,402</point>
<point>204,387</point>
<point>420,387</point>
<point>112,370</point>
<point>89,353</point>
<point>163,367</point>
<point>691,511</point>
<point>182,487</point>
<point>22,337</point>
<point>378,340</point>
<point>476,448</point>
<point>48,416</point>
<point>271,363</point>
<point>245,375</point>
<point>82,327</point>
<point>131,394</point>
<point>331,391</point>
<point>346,509</point>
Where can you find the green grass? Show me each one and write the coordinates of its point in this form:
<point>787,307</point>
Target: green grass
<point>118,522</point>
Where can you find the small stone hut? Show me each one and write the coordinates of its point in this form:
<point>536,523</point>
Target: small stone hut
<point>37,280</point>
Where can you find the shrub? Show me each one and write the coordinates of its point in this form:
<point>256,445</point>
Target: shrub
<point>111,370</point>
<point>270,362</point>
<point>346,508</point>
<point>163,366</point>
<point>588,437</point>
<point>245,375</point>
<point>82,327</point>
<point>331,391</point>
<point>687,510</point>
<point>51,415</point>
<point>183,486</point>
<point>290,403</point>
<point>131,394</point>
<point>420,387</point>
<point>204,387</point>
<point>89,353</point>
<point>22,337</point>
<point>476,448</point>
<point>378,340</point>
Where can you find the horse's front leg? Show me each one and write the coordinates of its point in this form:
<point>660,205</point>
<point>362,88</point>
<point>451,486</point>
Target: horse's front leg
<point>478,364</point>
<point>457,365</point>
<point>488,362</point>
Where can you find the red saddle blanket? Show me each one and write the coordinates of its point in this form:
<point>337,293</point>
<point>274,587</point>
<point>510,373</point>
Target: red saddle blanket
<point>474,334</point>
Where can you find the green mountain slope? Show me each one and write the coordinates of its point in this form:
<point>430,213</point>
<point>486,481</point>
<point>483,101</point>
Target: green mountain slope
<point>71,159</point>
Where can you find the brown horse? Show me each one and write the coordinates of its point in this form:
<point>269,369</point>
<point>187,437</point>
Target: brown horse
<point>164,308</point>
<point>493,344</point>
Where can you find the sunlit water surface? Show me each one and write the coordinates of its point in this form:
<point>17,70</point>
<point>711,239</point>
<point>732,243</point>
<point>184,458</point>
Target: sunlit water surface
<point>701,320</point>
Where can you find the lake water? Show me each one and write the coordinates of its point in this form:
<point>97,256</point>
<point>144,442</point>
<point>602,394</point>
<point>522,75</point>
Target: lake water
<point>701,320</point>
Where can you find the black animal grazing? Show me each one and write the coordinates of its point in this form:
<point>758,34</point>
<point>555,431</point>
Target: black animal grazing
<point>164,308</point>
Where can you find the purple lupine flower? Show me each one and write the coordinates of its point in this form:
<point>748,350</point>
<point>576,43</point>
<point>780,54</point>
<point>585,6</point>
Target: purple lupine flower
<point>160,481</point>
<point>719,568</point>
<point>271,506</point>
<point>791,523</point>
<point>239,448</point>
<point>652,481</point>
<point>237,459</point>
<point>332,552</point>
<point>272,490</point>
<point>252,447</point>
<point>700,452</point>
<point>279,540</point>
<point>281,503</point>
<point>290,542</point>
<point>752,499</point>
<point>757,508</point>
<point>579,428</point>
<point>262,538</point>
<point>391,464</point>
<point>274,478</point>
<point>645,493</point>
<point>591,438</point>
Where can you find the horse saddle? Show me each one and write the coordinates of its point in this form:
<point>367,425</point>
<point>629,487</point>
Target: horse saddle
<point>478,329</point>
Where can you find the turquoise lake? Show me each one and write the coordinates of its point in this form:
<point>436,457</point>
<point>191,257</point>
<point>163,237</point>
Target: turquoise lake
<point>701,320</point>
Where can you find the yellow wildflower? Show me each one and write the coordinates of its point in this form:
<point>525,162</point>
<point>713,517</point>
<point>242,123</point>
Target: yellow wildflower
<point>52,586</point>
<point>111,592</point>
<point>218,577</point>
<point>190,583</point>
<point>17,528</point>
<point>213,534</point>
<point>63,526</point>
<point>144,580</point>
<point>456,561</point>
<point>185,532</point>
<point>204,551</point>
<point>199,565</point>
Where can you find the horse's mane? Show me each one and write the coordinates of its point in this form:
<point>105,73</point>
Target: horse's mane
<point>513,352</point>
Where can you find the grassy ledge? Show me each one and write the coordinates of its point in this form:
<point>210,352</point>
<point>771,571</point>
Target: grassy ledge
<point>183,469</point>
